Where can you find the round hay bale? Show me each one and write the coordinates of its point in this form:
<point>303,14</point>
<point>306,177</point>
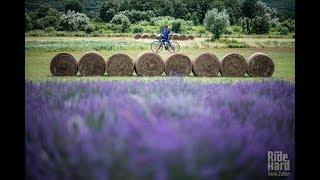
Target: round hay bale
<point>183,37</point>
<point>145,36</point>
<point>206,64</point>
<point>63,64</point>
<point>137,36</point>
<point>191,37</point>
<point>233,65</point>
<point>149,64</point>
<point>260,65</point>
<point>92,64</point>
<point>178,65</point>
<point>175,37</point>
<point>120,64</point>
<point>153,36</point>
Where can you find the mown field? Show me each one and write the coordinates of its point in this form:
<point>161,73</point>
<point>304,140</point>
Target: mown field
<point>40,51</point>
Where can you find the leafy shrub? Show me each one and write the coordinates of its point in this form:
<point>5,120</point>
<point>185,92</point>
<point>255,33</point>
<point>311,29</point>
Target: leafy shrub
<point>232,43</point>
<point>274,22</point>
<point>96,33</point>
<point>93,15</point>
<point>161,21</point>
<point>60,33</point>
<point>36,33</point>
<point>283,30</point>
<point>201,30</point>
<point>47,21</point>
<point>246,24</point>
<point>74,5</point>
<point>137,29</point>
<point>228,30</point>
<point>80,34</point>
<point>176,26</point>
<point>261,9</point>
<point>144,23</point>
<point>257,25</point>
<point>216,22</point>
<point>122,21</point>
<point>73,21</point>
<point>89,29</point>
<point>42,11</point>
<point>290,24</point>
<point>237,29</point>
<point>260,25</point>
<point>136,16</point>
<point>49,29</point>
<point>44,17</point>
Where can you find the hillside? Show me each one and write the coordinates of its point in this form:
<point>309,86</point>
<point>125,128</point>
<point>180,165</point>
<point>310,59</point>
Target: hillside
<point>285,7</point>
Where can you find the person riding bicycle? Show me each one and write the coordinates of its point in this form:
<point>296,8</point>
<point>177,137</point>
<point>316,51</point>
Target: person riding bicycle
<point>165,37</point>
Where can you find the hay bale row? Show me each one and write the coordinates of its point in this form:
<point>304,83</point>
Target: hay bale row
<point>233,65</point>
<point>206,64</point>
<point>151,64</point>
<point>191,37</point>
<point>173,37</point>
<point>92,64</point>
<point>64,64</point>
<point>145,36</point>
<point>137,36</point>
<point>182,37</point>
<point>120,64</point>
<point>178,65</point>
<point>260,65</point>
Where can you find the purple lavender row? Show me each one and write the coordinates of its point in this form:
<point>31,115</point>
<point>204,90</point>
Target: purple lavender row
<point>157,130</point>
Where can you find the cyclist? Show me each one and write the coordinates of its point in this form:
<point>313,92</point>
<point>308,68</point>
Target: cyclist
<point>165,38</point>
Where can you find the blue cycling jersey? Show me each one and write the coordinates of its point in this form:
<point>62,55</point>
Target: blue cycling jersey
<point>165,34</point>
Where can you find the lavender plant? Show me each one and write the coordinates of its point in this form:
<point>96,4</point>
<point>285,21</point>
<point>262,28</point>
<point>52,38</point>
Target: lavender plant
<point>167,129</point>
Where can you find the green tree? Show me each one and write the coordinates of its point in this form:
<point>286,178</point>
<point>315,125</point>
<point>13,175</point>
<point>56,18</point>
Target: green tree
<point>122,21</point>
<point>195,8</point>
<point>42,11</point>
<point>74,5</point>
<point>48,21</point>
<point>45,16</point>
<point>108,10</point>
<point>165,8</point>
<point>260,25</point>
<point>233,9</point>
<point>136,16</point>
<point>179,9</point>
<point>93,14</point>
<point>74,21</point>
<point>216,22</point>
<point>289,24</point>
<point>248,8</point>
<point>176,26</point>
<point>246,25</point>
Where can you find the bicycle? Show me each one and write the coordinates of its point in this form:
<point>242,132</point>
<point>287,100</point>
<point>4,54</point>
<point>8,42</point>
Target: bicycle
<point>157,46</point>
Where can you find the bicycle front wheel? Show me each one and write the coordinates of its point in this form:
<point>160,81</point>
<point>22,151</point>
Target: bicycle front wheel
<point>156,46</point>
<point>174,48</point>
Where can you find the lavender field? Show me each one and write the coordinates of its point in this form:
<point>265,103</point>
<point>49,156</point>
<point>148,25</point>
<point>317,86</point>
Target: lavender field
<point>163,129</point>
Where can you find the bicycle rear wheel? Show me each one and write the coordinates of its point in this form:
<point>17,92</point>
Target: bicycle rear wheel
<point>156,46</point>
<point>175,47</point>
